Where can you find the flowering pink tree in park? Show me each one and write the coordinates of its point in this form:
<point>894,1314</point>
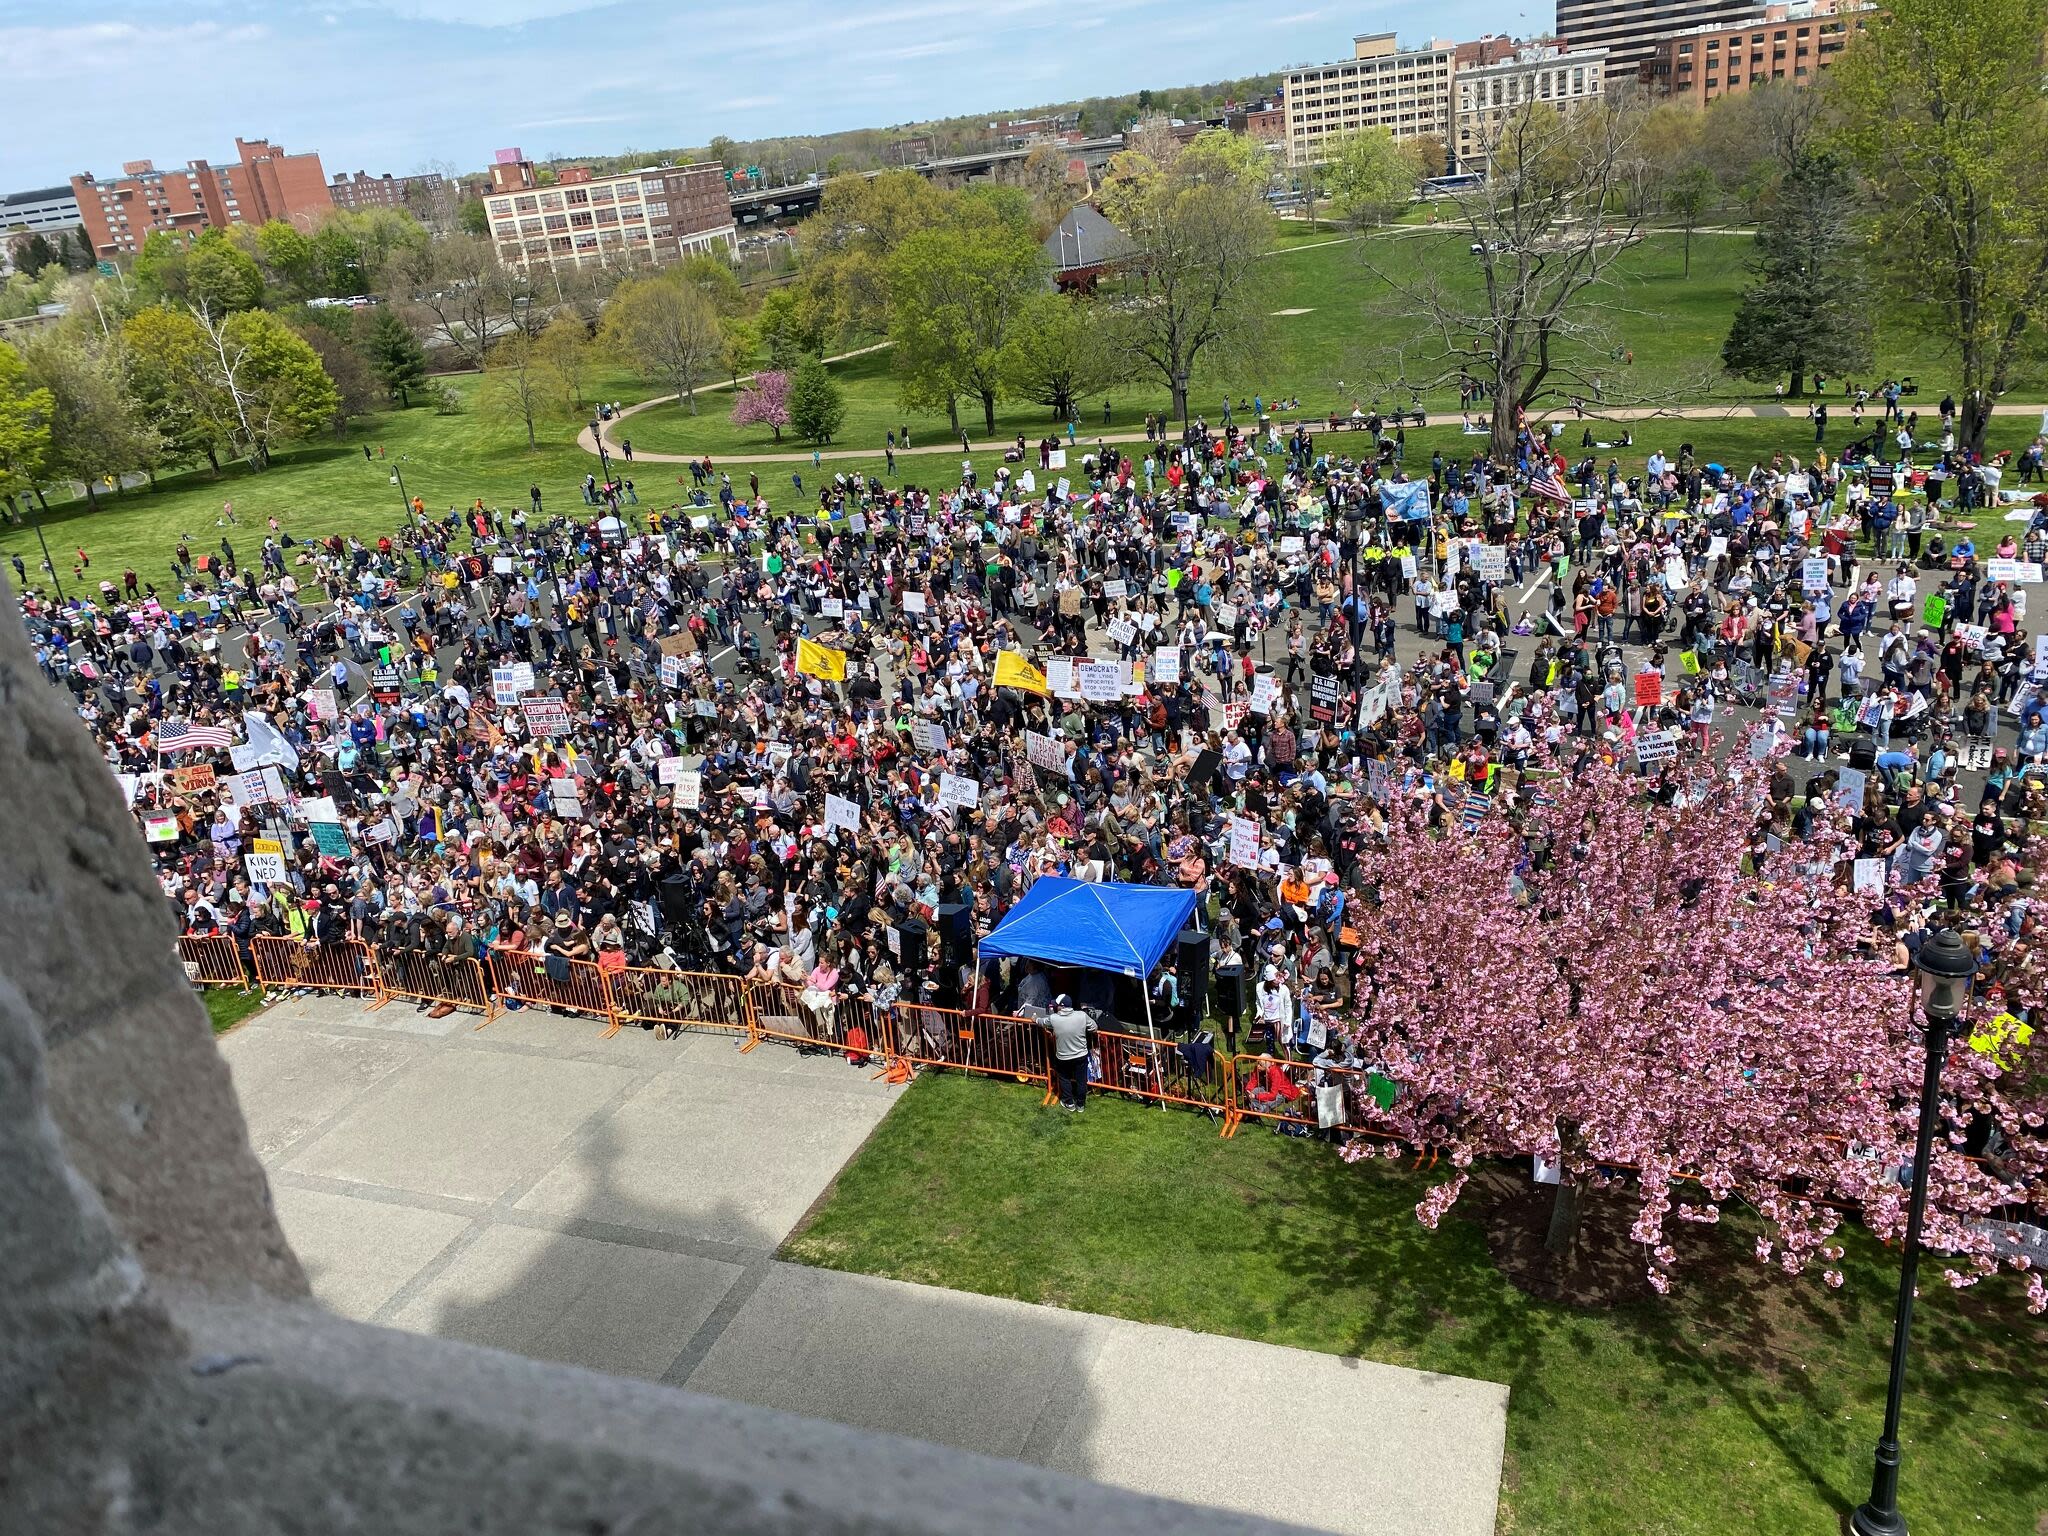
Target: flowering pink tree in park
<point>1608,986</point>
<point>764,403</point>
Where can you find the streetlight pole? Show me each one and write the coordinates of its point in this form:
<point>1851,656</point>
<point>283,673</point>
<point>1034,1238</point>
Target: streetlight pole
<point>603,459</point>
<point>405,501</point>
<point>49,565</point>
<point>1944,965</point>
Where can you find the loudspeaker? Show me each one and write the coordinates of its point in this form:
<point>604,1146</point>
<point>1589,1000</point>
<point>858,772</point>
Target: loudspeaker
<point>953,924</point>
<point>910,937</point>
<point>676,902</point>
<point>1191,967</point>
<point>1230,997</point>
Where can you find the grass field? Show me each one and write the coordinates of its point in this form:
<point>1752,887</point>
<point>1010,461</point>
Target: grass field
<point>1743,1402</point>
<point>328,486</point>
<point>229,1006</point>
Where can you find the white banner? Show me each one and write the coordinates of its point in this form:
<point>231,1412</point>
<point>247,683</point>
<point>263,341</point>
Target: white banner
<point>841,812</point>
<point>1166,664</point>
<point>957,792</point>
<point>1100,682</point>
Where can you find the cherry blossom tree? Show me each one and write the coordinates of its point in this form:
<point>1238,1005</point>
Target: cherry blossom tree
<point>764,403</point>
<point>1610,983</point>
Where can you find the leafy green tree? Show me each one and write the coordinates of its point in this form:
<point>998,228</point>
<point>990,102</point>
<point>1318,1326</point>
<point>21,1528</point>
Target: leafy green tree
<point>1200,228</point>
<point>1370,177</point>
<point>565,358</point>
<point>1806,308</point>
<point>394,354</point>
<point>791,324</point>
<point>96,431</point>
<point>472,218</point>
<point>290,258</point>
<point>955,294</point>
<point>1687,197</point>
<point>162,268</point>
<point>670,329</point>
<point>223,277</point>
<point>516,386</point>
<point>357,392</point>
<point>1941,110</point>
<point>720,284</point>
<point>273,380</point>
<point>816,408</point>
<point>1058,351</point>
<point>32,253</point>
<point>174,380</point>
<point>25,412</point>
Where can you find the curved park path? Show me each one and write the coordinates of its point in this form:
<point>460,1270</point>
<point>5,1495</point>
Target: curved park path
<point>1769,411</point>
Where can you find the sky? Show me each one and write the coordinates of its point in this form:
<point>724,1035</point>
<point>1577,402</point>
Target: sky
<point>396,85</point>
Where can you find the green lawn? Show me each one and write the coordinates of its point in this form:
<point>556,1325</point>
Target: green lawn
<point>229,1006</point>
<point>1322,356</point>
<point>1743,1402</point>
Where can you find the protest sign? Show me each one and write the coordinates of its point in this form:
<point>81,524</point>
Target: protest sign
<point>958,793</point>
<point>842,813</point>
<point>546,716</point>
<point>1322,697</point>
<point>1656,747</point>
<point>330,838</point>
<point>1166,664</point>
<point>160,827</point>
<point>1869,877</point>
<point>1122,631</point>
<point>1115,589</point>
<point>1244,842</point>
<point>265,861</point>
<point>1226,615</point>
<point>1262,693</point>
<point>689,790</point>
<point>1649,689</point>
<point>322,704</point>
<point>1059,677</point>
<point>913,602</point>
<point>1045,752</point>
<point>670,770</point>
<point>1099,682</point>
<point>1849,789</point>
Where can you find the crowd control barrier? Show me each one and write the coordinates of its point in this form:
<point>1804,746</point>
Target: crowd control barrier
<point>1162,1071</point>
<point>293,964</point>
<point>552,981</point>
<point>1283,1092</point>
<point>678,1000</point>
<point>810,1021</point>
<point>994,1044</point>
<point>423,977</point>
<point>212,960</point>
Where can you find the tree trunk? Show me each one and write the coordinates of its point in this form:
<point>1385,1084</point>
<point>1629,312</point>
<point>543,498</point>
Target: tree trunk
<point>690,395</point>
<point>531,441</point>
<point>404,399</point>
<point>1976,423</point>
<point>1180,403</point>
<point>1563,1236</point>
<point>953,412</point>
<point>1798,388</point>
<point>1501,438</point>
<point>213,460</point>
<point>1688,250</point>
<point>988,410</point>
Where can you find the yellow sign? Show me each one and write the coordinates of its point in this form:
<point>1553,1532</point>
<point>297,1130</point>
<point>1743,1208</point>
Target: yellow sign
<point>1013,671</point>
<point>814,660</point>
<point>266,845</point>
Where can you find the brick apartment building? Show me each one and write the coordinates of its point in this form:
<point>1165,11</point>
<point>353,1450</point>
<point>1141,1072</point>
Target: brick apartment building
<point>263,184</point>
<point>1785,42</point>
<point>387,191</point>
<point>657,213</point>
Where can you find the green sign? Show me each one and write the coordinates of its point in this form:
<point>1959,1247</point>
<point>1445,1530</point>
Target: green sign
<point>330,838</point>
<point>1934,610</point>
<point>106,268</point>
<point>753,173</point>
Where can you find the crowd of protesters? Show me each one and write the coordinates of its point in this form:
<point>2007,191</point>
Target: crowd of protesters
<point>480,705</point>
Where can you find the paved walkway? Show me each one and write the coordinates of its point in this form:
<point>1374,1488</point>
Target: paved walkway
<point>616,1204</point>
<point>1765,411</point>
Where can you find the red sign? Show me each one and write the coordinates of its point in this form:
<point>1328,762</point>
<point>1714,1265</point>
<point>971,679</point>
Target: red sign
<point>1650,689</point>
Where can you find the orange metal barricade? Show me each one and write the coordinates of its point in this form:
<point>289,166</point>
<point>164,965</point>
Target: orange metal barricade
<point>212,960</point>
<point>292,963</point>
<point>996,1044</point>
<point>580,988</point>
<point>795,1016</point>
<point>430,978</point>
<point>1283,1092</point>
<point>1160,1072</point>
<point>677,1000</point>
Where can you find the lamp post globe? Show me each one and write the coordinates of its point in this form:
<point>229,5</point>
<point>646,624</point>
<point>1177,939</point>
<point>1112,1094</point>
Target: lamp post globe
<point>1942,970</point>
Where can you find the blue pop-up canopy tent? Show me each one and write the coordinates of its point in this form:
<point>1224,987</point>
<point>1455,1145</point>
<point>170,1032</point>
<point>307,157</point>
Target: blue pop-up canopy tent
<point>1121,928</point>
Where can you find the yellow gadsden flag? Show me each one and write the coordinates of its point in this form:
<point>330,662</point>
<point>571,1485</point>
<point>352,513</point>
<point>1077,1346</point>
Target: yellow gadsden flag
<point>1013,671</point>
<point>820,661</point>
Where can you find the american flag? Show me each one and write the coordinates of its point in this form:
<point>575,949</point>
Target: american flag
<point>177,736</point>
<point>1545,485</point>
<point>1474,810</point>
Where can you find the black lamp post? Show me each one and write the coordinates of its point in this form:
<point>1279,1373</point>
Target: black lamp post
<point>1355,517</point>
<point>1944,966</point>
<point>604,459</point>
